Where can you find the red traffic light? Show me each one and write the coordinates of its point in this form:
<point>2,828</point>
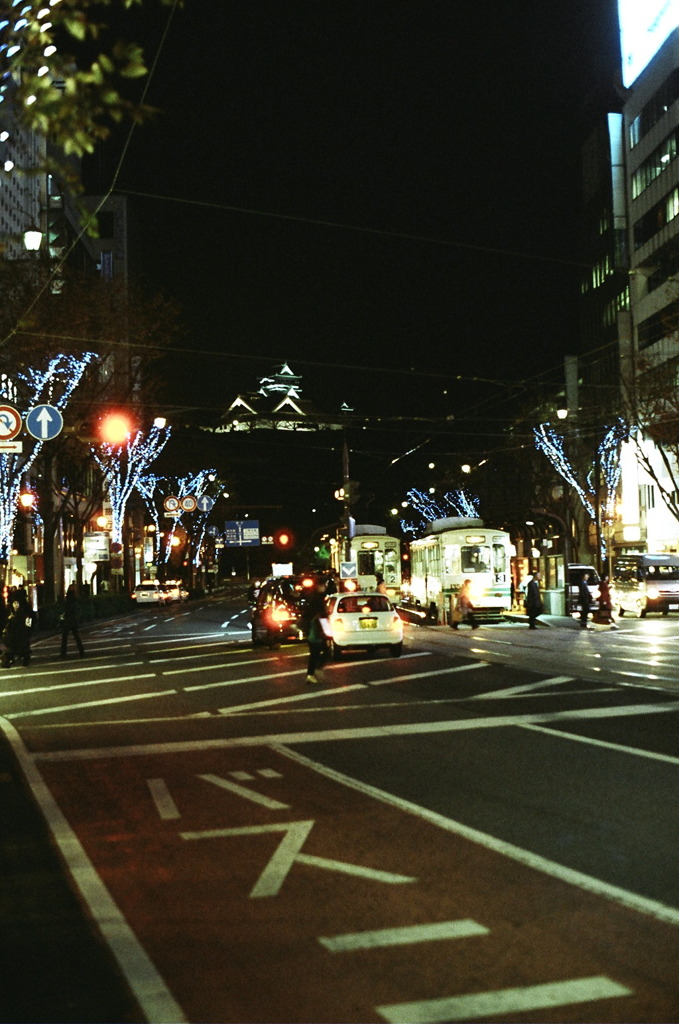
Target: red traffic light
<point>115,428</point>
<point>283,539</point>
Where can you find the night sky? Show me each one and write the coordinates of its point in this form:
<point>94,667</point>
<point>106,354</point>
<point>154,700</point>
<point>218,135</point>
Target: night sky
<point>384,193</point>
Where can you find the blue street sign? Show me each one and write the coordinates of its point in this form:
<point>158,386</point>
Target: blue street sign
<point>204,503</point>
<point>44,422</point>
<point>241,533</point>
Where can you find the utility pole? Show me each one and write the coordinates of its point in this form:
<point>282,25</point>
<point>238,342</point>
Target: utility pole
<point>346,501</point>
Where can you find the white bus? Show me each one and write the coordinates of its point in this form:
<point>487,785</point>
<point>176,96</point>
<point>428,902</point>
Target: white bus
<point>456,549</point>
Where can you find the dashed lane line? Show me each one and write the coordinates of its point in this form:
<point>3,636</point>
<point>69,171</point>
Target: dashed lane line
<point>406,936</point>
<point>504,1001</point>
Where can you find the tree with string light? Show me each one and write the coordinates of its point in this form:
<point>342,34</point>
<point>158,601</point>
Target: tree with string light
<point>123,456</point>
<point>605,468</point>
<point>453,503</point>
<point>54,386</point>
<point>155,489</point>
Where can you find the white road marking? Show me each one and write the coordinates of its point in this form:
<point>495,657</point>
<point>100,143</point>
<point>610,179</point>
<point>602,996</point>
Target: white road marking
<point>147,985</point>
<point>247,794</point>
<point>288,851</point>
<point>659,911</point>
<point>504,1001</point>
<point>604,744</point>
<point>367,732</point>
<point>290,699</point>
<point>91,704</point>
<point>512,691</point>
<point>160,794</point>
<point>211,668</point>
<point>70,686</point>
<point>409,935</point>
<point>241,681</point>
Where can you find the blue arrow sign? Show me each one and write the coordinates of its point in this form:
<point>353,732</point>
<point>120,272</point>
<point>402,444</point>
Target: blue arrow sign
<point>44,422</point>
<point>204,503</point>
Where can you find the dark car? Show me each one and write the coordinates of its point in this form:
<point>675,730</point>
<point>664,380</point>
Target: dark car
<point>278,611</point>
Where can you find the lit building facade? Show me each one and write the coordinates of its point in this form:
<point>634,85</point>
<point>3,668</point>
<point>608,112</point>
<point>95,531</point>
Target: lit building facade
<point>650,140</point>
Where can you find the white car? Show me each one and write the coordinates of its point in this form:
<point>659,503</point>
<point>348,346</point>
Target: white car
<point>150,592</point>
<point>364,620</point>
<point>176,590</point>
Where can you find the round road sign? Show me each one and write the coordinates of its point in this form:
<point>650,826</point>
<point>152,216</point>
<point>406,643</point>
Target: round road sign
<point>188,503</point>
<point>171,504</point>
<point>44,422</point>
<point>10,422</point>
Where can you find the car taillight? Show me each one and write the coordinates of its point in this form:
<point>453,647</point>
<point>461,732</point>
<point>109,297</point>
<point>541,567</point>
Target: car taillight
<point>281,614</point>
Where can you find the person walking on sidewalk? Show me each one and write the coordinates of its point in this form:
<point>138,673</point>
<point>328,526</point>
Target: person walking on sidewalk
<point>584,599</point>
<point>533,600</point>
<point>17,632</point>
<point>70,621</point>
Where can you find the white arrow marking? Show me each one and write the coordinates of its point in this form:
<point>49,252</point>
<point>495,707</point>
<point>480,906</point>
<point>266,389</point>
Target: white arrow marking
<point>44,418</point>
<point>288,851</point>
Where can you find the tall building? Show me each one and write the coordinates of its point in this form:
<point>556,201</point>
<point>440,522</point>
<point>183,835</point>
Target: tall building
<point>23,192</point>
<point>649,33</point>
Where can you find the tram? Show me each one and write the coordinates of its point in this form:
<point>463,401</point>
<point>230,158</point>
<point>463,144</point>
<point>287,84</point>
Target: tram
<point>376,554</point>
<point>456,549</point>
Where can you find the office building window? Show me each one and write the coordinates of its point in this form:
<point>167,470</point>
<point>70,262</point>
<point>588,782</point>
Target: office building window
<point>656,107</point>
<point>647,496</point>
<point>656,218</point>
<point>659,160</point>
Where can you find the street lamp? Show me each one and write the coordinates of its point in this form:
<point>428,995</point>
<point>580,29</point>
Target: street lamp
<point>33,239</point>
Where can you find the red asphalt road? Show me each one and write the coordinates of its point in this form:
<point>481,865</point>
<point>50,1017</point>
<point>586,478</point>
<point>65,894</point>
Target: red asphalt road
<point>233,921</point>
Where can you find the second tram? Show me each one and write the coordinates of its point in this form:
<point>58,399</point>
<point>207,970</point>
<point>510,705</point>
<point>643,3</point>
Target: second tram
<point>376,554</point>
<point>456,549</point>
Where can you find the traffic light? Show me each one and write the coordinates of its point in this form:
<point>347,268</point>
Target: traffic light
<point>349,493</point>
<point>283,539</point>
<point>115,428</point>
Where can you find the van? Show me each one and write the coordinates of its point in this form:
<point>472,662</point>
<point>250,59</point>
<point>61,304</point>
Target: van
<point>575,572</point>
<point>645,583</point>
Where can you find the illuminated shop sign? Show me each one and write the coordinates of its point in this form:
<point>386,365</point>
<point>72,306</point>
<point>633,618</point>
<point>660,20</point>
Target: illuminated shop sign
<point>644,27</point>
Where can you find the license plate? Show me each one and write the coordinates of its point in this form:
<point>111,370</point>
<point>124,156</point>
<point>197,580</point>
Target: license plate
<point>368,623</point>
<point>674,607</point>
